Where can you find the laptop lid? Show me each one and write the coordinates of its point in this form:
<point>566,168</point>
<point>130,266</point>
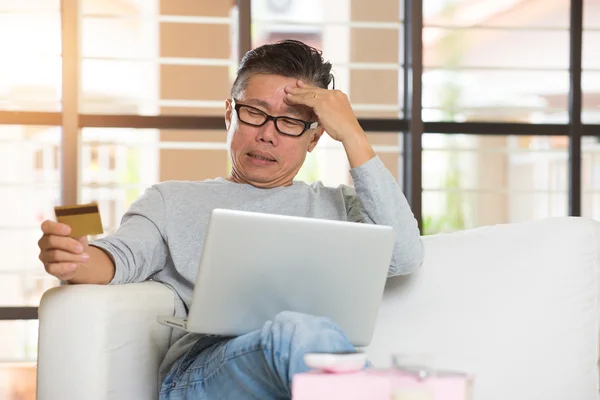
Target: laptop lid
<point>255,265</point>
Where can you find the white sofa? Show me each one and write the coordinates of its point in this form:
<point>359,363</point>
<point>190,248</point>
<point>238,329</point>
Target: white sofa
<point>516,304</point>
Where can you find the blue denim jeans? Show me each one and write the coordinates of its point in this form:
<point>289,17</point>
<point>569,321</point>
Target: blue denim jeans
<point>258,365</point>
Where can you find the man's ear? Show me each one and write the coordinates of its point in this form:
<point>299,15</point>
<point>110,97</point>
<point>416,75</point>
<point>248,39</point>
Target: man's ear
<point>228,112</point>
<point>315,139</point>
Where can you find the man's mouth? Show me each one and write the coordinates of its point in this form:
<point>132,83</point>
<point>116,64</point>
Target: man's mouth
<point>261,157</point>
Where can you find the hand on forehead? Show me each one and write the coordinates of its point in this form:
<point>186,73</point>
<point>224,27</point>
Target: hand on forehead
<point>268,92</point>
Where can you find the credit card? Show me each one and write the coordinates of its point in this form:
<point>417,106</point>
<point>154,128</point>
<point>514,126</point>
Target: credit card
<point>84,219</point>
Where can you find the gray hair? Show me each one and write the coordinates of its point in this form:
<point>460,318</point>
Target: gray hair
<point>289,58</point>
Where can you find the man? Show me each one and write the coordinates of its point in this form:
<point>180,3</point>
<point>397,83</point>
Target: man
<point>279,109</point>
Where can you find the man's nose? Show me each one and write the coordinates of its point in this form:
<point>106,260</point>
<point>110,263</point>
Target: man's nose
<point>268,133</point>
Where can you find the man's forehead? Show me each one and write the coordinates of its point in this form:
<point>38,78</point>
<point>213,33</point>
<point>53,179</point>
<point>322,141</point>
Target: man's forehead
<point>271,106</point>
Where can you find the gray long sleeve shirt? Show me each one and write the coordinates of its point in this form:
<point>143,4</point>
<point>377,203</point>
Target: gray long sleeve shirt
<point>162,234</point>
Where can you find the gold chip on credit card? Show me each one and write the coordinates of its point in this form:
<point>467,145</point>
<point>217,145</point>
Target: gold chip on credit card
<point>84,219</point>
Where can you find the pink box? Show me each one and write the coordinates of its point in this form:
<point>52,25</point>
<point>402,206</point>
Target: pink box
<point>378,385</point>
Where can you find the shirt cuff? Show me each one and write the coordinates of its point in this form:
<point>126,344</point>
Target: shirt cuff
<point>110,251</point>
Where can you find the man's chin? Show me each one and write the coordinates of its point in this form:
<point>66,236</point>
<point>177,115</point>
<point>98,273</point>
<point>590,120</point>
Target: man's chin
<point>267,181</point>
<point>263,177</point>
<point>263,182</point>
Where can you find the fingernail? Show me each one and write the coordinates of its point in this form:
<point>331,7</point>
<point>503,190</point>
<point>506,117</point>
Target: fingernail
<point>85,256</point>
<point>66,229</point>
<point>79,248</point>
<point>71,267</point>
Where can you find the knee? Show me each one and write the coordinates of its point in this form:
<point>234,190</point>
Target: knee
<point>307,332</point>
<point>291,335</point>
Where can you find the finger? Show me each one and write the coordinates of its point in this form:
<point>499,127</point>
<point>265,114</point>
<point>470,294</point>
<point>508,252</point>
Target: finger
<point>301,90</point>
<point>48,242</point>
<point>60,256</point>
<point>307,85</point>
<point>55,228</point>
<point>63,271</point>
<point>306,99</point>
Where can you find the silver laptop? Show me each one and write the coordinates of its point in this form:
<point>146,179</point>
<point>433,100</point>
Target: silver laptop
<point>255,265</point>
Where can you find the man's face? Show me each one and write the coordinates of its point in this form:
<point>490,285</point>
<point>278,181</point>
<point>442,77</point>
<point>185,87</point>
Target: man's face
<point>261,156</point>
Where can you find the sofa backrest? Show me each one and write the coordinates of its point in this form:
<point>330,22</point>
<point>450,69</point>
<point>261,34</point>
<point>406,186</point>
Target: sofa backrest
<point>515,304</point>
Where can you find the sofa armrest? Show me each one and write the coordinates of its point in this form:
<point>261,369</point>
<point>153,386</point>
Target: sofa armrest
<point>101,342</point>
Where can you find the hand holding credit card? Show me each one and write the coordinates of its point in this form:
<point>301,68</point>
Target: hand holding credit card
<point>84,219</point>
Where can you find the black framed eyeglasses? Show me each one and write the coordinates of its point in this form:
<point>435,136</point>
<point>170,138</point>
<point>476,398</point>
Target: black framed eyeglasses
<point>285,125</point>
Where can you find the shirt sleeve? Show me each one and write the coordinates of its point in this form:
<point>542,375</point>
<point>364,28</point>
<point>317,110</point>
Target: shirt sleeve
<point>377,199</point>
<point>139,247</point>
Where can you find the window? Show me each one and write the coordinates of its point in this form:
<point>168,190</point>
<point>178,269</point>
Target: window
<point>591,62</point>
<point>29,189</point>
<point>154,57</point>
<point>591,177</point>
<point>472,180</point>
<point>30,80</point>
<point>591,109</point>
<point>30,71</point>
<point>474,72</point>
<point>27,197</point>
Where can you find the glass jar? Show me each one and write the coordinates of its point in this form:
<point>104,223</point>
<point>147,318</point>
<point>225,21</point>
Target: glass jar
<point>410,374</point>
